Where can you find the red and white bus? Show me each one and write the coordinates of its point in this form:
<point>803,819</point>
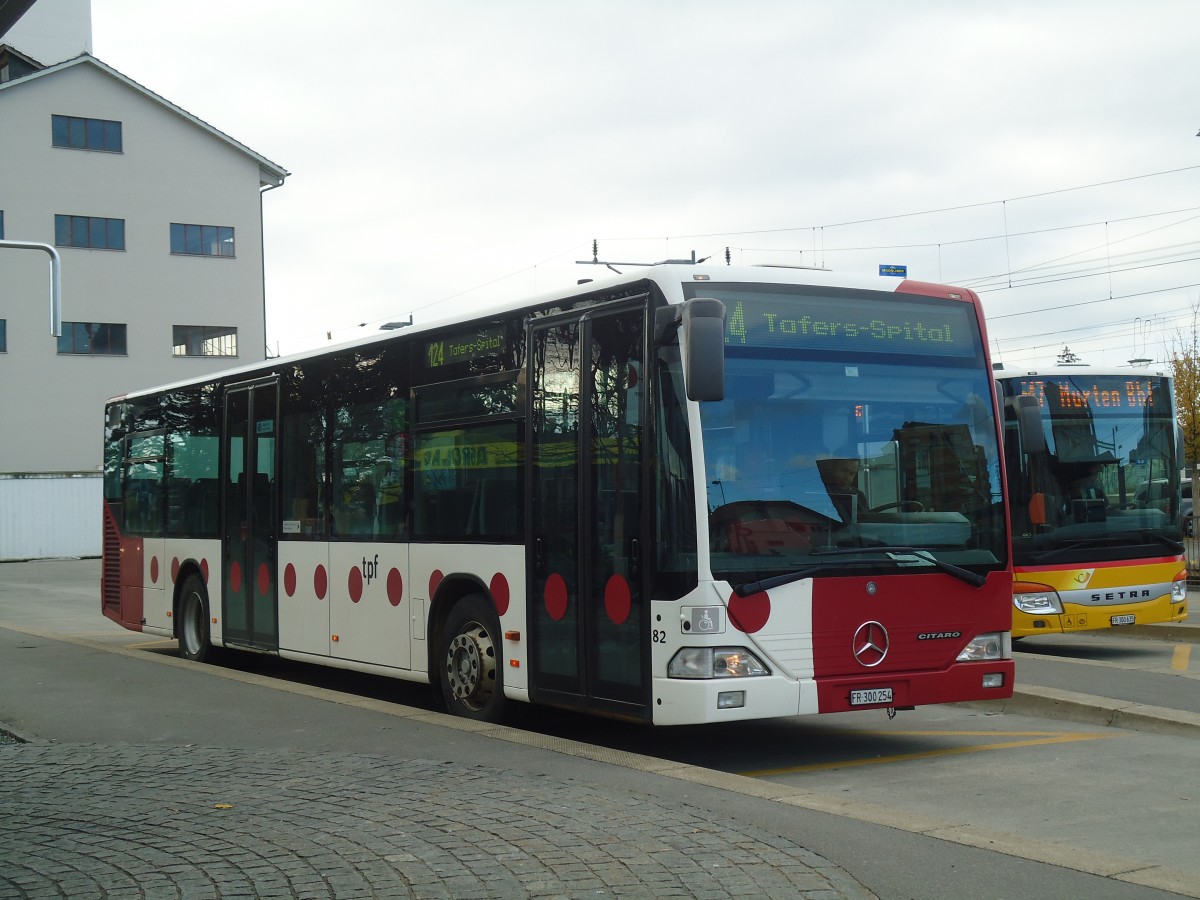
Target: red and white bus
<point>633,498</point>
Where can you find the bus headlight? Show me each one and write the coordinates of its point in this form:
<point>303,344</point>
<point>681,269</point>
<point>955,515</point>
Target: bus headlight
<point>993,645</point>
<point>715,662</point>
<point>1179,588</point>
<point>1036,599</point>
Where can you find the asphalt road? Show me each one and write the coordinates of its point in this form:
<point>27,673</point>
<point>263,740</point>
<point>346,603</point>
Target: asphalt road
<point>940,802</point>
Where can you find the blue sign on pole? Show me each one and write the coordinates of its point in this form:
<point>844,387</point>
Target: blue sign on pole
<point>898,271</point>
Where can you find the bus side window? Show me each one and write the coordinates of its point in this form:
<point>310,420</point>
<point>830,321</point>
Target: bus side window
<point>303,476</point>
<point>494,512</point>
<point>202,506</point>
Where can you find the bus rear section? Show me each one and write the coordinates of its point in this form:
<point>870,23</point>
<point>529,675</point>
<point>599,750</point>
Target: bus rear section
<point>853,511</point>
<point>1093,461</point>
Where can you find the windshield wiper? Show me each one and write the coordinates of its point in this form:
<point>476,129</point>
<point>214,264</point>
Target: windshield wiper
<point>1151,536</point>
<point>765,584</point>
<point>1111,540</point>
<point>926,557</point>
<point>902,556</point>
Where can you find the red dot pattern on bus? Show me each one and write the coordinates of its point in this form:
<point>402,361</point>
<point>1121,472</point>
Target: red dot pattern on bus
<point>617,599</point>
<point>499,589</point>
<point>555,594</point>
<point>154,570</point>
<point>749,614</point>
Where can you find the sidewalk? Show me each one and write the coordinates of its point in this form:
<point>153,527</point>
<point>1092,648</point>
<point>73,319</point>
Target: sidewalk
<point>151,821</point>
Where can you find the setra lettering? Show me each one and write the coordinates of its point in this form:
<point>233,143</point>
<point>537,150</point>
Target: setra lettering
<point>1110,596</point>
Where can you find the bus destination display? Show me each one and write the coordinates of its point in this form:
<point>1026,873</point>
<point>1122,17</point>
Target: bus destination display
<point>806,322</point>
<point>464,347</point>
<point>1095,392</point>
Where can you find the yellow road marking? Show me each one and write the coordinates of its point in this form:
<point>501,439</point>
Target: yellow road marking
<point>1179,659</point>
<point>1036,739</point>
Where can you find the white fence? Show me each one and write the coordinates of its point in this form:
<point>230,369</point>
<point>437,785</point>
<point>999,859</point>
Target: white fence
<point>50,515</point>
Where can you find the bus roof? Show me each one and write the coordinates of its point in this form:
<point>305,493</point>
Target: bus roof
<point>1157,370</point>
<point>668,276</point>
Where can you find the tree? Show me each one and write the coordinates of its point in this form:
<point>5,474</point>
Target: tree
<point>1185,364</point>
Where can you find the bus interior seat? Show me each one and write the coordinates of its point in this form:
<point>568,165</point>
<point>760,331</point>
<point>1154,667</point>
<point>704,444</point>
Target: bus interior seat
<point>202,506</point>
<point>179,507</point>
<point>494,508</point>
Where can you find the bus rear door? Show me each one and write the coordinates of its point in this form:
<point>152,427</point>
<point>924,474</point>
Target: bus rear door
<point>249,559</point>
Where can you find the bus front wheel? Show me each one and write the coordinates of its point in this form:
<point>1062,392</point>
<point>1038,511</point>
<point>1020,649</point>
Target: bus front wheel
<point>192,624</point>
<point>470,674</point>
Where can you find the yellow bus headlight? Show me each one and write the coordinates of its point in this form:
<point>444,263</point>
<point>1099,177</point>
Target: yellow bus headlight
<point>1036,599</point>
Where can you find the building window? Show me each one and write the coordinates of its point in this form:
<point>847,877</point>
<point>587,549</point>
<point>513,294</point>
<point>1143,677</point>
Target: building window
<point>93,232</point>
<point>201,240</point>
<point>76,133</point>
<point>3,335</point>
<point>204,340</point>
<point>92,338</point>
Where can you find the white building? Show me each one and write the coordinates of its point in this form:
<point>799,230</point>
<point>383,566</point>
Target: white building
<point>157,219</point>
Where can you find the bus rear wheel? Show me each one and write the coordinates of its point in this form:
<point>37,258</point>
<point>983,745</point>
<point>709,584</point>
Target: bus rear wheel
<point>470,674</point>
<point>192,623</point>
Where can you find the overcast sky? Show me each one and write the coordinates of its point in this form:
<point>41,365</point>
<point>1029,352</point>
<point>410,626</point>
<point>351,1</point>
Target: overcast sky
<point>450,154</point>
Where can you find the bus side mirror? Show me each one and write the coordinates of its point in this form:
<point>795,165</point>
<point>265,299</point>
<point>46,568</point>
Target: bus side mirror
<point>1029,419</point>
<point>704,348</point>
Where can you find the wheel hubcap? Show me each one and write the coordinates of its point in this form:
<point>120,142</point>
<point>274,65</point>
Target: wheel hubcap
<point>471,666</point>
<point>191,623</point>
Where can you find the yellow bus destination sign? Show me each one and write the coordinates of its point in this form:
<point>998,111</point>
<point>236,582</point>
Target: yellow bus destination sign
<point>861,324</point>
<point>1091,392</point>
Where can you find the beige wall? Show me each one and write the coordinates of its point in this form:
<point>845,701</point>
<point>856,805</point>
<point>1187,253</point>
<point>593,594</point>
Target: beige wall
<point>171,170</point>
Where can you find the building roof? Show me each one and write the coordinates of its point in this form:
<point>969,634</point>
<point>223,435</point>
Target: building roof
<point>8,51</point>
<point>11,11</point>
<point>270,173</point>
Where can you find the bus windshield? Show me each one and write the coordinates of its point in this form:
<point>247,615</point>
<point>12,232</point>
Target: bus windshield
<point>1103,481</point>
<point>852,422</point>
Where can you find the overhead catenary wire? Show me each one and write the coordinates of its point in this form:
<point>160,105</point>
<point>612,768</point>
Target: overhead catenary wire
<point>1075,266</point>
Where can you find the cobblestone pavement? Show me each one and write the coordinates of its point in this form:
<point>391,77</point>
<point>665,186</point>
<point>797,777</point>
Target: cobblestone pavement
<point>90,821</point>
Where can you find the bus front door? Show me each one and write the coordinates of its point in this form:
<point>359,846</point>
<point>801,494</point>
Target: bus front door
<point>586,466</point>
<point>248,578</point>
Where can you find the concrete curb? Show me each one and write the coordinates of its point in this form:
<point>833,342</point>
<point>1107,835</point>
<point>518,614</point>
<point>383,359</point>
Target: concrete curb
<point>1167,631</point>
<point>1032,700</point>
